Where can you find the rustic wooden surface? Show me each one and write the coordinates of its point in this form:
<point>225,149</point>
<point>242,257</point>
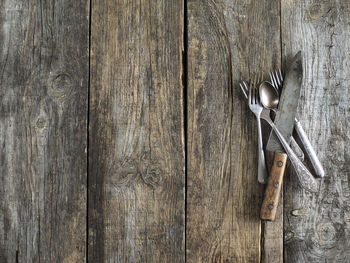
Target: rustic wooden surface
<point>125,138</point>
<point>227,41</point>
<point>43,107</point>
<point>136,133</point>
<point>317,227</point>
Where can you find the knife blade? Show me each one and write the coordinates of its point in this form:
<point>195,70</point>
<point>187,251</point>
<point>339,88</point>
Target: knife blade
<point>285,116</point>
<point>284,121</point>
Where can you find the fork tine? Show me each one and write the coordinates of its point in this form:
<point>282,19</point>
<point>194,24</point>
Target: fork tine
<point>271,79</point>
<point>250,95</point>
<point>274,82</point>
<point>246,87</point>
<point>254,92</point>
<point>278,80</point>
<point>243,90</point>
<point>280,74</point>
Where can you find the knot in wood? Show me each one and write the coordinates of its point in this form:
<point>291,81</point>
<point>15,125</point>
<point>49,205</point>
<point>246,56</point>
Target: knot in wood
<point>40,124</point>
<point>315,11</point>
<point>61,85</point>
<point>152,176</point>
<point>326,234</point>
<point>289,236</point>
<point>299,212</point>
<point>123,174</point>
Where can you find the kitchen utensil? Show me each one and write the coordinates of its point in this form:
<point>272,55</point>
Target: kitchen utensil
<point>262,173</point>
<point>276,81</point>
<point>306,178</point>
<point>284,122</point>
<point>293,144</point>
<point>269,96</point>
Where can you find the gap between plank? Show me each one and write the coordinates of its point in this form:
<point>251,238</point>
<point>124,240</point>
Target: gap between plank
<point>185,107</point>
<point>87,140</point>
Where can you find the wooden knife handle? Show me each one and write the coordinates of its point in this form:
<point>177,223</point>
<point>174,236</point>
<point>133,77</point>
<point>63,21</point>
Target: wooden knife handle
<point>273,188</point>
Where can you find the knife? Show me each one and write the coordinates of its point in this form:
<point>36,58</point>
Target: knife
<point>284,121</point>
<point>276,81</point>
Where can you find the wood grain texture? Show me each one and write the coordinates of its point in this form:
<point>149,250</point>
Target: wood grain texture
<point>136,151</point>
<point>43,105</point>
<point>136,137</point>
<point>273,189</point>
<point>228,41</point>
<point>317,226</point>
<point>272,240</point>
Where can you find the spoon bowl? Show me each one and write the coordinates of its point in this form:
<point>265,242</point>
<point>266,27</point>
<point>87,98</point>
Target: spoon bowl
<point>268,95</point>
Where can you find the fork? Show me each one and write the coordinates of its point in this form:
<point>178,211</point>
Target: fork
<point>276,81</point>
<point>306,179</point>
<point>262,173</point>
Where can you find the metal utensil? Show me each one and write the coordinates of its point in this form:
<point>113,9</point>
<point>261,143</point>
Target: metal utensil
<point>269,96</point>
<point>284,122</point>
<point>276,81</point>
<point>306,178</point>
<point>273,98</point>
<point>269,99</point>
<point>262,173</point>
<point>288,103</point>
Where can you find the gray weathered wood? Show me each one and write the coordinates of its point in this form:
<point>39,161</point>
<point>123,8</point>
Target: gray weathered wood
<point>43,105</point>
<point>136,132</point>
<point>229,41</point>
<point>136,136</point>
<point>272,239</point>
<point>317,227</point>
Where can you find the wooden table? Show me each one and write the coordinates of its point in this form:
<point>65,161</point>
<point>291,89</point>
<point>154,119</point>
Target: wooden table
<point>125,138</point>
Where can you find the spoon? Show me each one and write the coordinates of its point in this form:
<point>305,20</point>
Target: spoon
<point>268,95</point>
<point>269,98</point>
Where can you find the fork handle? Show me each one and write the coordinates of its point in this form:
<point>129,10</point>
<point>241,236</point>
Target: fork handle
<point>262,174</point>
<point>273,188</point>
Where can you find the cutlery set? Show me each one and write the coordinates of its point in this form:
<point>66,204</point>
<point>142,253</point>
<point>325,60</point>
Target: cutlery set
<point>281,96</point>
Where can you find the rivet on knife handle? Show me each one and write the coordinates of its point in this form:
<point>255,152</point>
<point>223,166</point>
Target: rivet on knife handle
<point>316,164</point>
<point>273,188</point>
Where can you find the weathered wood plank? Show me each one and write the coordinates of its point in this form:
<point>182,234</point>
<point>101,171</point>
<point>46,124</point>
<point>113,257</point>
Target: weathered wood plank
<point>43,105</point>
<point>272,240</point>
<point>228,41</point>
<point>136,137</point>
<point>317,226</point>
